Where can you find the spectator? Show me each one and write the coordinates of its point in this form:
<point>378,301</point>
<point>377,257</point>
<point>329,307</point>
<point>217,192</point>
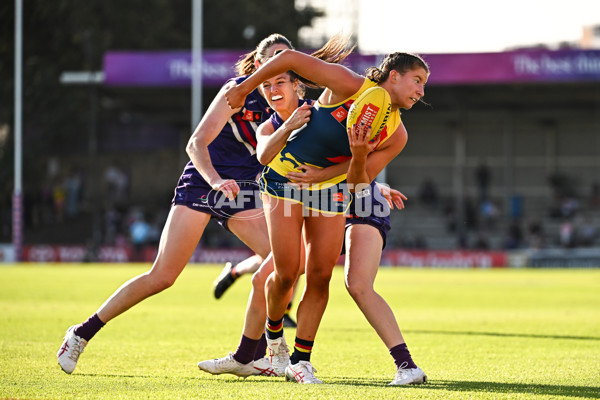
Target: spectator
<point>566,235</point>
<point>481,242</point>
<point>536,235</point>
<point>595,194</point>
<point>515,236</point>
<point>117,184</point>
<point>587,233</point>
<point>489,213</point>
<point>483,176</point>
<point>139,232</point>
<point>428,193</point>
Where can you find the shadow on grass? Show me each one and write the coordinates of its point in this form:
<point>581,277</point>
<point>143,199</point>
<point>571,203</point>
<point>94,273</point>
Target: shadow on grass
<point>590,392</point>
<point>502,334</point>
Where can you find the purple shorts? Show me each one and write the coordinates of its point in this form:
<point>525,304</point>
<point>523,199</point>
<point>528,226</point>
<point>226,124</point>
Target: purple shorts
<point>196,194</point>
<point>382,224</point>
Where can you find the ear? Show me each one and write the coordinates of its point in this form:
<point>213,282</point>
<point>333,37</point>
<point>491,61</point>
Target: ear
<point>394,76</point>
<point>256,63</point>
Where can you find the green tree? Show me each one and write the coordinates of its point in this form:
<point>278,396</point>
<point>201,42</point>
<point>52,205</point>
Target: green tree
<point>71,35</point>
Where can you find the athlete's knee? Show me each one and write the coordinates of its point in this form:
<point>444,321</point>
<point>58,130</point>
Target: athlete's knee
<point>319,273</point>
<point>160,281</point>
<point>258,280</point>
<point>285,280</point>
<point>358,290</point>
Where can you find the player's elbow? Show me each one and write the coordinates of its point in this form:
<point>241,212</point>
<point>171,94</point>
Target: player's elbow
<point>262,156</point>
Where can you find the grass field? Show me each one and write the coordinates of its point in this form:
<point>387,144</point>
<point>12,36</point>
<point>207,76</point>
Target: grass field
<point>478,334</point>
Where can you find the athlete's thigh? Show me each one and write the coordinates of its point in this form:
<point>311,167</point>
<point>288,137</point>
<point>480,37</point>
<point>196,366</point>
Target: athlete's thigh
<point>324,238</point>
<point>284,220</point>
<point>251,229</point>
<point>180,236</point>
<point>363,253</point>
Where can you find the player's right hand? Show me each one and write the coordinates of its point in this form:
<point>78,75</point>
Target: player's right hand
<point>299,117</point>
<point>228,187</point>
<point>235,97</point>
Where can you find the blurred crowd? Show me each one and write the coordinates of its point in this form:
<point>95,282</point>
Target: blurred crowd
<point>61,208</point>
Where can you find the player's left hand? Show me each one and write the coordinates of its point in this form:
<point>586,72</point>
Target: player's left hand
<point>306,174</point>
<point>358,137</point>
<point>392,196</point>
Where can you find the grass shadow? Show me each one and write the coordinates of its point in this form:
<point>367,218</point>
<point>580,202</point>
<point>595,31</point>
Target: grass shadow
<point>589,392</point>
<point>502,334</point>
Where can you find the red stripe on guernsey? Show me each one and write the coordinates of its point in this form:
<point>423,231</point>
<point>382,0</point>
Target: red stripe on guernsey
<point>303,348</point>
<point>383,134</point>
<point>245,130</point>
<point>275,328</point>
<point>338,159</point>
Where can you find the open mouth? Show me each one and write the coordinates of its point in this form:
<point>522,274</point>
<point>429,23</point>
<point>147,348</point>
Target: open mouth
<point>275,98</point>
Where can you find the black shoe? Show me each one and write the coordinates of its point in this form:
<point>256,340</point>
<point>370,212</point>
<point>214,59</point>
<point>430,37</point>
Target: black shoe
<point>288,322</point>
<point>224,281</point>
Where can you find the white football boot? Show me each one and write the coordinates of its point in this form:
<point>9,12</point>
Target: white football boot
<point>71,349</point>
<point>302,372</point>
<point>263,367</point>
<point>278,355</point>
<point>409,376</point>
<point>227,365</point>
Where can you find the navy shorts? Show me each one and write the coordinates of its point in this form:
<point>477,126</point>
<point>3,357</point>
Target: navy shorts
<point>198,195</point>
<point>332,199</point>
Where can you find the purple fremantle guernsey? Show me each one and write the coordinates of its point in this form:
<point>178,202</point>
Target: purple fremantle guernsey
<point>233,152</point>
<point>233,155</point>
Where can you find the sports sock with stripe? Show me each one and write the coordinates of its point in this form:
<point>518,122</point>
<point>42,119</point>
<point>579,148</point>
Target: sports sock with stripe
<point>302,350</point>
<point>274,329</point>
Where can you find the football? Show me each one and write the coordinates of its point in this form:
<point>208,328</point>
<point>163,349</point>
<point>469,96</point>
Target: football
<point>371,108</point>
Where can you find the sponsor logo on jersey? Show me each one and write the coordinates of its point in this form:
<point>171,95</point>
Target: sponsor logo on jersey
<point>339,197</point>
<point>252,115</point>
<point>340,114</point>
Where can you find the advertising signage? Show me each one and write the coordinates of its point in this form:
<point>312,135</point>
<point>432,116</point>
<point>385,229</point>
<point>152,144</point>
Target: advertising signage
<point>174,68</point>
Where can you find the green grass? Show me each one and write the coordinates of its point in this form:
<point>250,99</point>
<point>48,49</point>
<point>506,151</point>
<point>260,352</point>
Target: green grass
<point>478,334</point>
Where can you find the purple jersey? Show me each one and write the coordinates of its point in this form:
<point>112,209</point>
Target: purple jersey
<point>233,152</point>
<point>233,155</point>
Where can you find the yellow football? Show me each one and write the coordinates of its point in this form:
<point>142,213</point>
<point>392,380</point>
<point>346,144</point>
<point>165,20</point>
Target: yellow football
<point>372,108</point>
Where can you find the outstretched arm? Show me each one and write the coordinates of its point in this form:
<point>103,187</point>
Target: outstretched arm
<point>341,81</point>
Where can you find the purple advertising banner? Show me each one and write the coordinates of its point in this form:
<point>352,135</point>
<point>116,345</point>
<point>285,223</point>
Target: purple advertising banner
<point>173,68</point>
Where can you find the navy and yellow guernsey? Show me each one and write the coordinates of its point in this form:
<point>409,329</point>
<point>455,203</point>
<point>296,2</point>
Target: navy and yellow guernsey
<point>322,142</point>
